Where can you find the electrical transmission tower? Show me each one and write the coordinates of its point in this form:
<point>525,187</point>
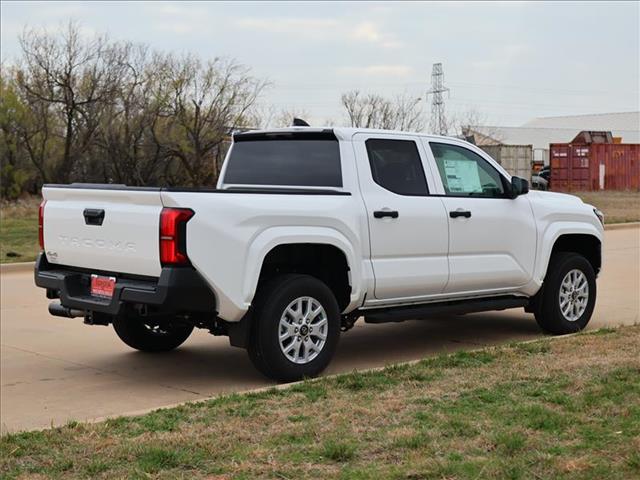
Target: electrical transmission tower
<point>438,122</point>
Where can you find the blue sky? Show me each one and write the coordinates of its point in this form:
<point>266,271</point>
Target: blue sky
<point>508,61</point>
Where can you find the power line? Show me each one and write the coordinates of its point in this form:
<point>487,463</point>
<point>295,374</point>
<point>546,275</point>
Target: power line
<point>346,85</point>
<point>438,120</point>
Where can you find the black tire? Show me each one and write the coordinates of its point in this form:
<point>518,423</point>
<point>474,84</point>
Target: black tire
<point>546,303</point>
<point>269,306</point>
<point>141,334</point>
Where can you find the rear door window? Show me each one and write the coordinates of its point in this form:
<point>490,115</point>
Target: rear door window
<point>303,160</point>
<point>396,166</point>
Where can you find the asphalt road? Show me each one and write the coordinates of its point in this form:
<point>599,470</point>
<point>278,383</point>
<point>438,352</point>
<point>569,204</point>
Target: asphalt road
<point>54,370</point>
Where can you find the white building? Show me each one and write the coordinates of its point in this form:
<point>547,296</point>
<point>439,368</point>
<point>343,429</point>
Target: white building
<point>542,131</point>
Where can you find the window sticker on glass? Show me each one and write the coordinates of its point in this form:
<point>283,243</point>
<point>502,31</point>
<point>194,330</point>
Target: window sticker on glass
<point>464,172</point>
<point>462,176</point>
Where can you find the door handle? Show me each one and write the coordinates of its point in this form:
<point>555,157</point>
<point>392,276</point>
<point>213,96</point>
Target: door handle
<point>386,213</point>
<point>460,213</point>
<point>93,216</point>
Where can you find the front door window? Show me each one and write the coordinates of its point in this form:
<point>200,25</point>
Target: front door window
<point>465,173</point>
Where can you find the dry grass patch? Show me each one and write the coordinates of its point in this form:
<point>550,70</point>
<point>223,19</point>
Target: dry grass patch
<point>618,207</point>
<point>19,230</point>
<point>568,408</point>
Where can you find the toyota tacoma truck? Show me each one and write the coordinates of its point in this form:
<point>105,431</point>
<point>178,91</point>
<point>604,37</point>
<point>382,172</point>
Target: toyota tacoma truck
<point>310,229</point>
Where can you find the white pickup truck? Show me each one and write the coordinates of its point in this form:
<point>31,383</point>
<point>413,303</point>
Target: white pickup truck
<point>310,229</point>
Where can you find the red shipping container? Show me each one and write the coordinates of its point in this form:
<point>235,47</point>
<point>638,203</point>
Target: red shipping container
<point>596,166</point>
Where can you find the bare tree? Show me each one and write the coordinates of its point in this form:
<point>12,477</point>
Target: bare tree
<point>271,117</point>
<point>473,123</point>
<point>205,103</point>
<point>286,116</point>
<point>366,111</point>
<point>75,80</point>
<point>88,109</point>
<point>409,115</point>
<point>375,111</point>
<point>124,138</point>
<point>261,116</point>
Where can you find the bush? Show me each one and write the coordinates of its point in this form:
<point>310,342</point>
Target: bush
<point>12,182</point>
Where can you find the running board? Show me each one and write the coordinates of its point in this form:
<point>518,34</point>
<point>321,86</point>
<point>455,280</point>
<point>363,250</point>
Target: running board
<point>419,312</point>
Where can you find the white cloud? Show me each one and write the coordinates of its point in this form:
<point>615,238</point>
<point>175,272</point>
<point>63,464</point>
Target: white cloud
<point>50,28</point>
<point>483,64</point>
<point>51,11</point>
<point>378,70</point>
<point>173,9</point>
<point>177,19</point>
<point>175,27</point>
<point>504,57</point>
<point>514,50</point>
<point>290,25</point>
<point>324,28</point>
<point>391,44</point>
<point>366,31</point>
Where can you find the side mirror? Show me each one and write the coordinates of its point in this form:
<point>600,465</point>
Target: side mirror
<point>519,186</point>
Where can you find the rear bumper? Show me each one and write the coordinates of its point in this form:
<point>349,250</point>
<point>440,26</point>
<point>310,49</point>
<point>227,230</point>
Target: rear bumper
<point>180,289</point>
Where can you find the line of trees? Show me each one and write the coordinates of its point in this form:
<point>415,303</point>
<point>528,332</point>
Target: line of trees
<point>402,112</point>
<point>77,109</point>
<point>95,110</point>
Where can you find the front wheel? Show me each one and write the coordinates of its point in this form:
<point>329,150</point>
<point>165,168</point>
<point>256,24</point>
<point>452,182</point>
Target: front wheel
<point>150,336</point>
<point>295,328</point>
<point>568,296</point>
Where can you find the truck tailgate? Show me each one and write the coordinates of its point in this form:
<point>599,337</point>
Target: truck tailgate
<point>115,230</point>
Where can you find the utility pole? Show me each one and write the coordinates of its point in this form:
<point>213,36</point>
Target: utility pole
<point>438,122</point>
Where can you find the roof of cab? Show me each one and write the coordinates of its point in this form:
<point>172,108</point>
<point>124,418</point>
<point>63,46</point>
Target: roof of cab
<point>342,133</point>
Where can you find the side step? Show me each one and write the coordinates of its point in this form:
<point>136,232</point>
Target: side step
<point>419,312</point>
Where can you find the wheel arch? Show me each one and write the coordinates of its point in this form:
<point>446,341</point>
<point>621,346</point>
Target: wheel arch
<point>321,252</point>
<point>586,245</point>
<point>585,240</point>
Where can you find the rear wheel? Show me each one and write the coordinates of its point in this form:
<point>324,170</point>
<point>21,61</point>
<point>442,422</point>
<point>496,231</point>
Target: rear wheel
<point>149,335</point>
<point>295,329</point>
<point>567,299</point>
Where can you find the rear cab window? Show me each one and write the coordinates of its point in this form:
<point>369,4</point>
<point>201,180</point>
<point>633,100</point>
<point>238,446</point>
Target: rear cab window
<point>285,159</point>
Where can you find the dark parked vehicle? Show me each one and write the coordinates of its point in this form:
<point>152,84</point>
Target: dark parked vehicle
<point>542,180</point>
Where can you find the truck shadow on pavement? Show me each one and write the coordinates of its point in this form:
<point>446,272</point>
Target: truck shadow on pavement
<point>206,364</point>
<point>377,345</point>
<point>90,373</point>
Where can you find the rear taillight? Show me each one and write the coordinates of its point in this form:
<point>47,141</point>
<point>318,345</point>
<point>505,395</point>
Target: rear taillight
<point>41,224</point>
<point>173,235</point>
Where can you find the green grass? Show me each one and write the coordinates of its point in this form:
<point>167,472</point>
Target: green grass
<point>339,450</point>
<point>562,409</point>
<point>19,230</point>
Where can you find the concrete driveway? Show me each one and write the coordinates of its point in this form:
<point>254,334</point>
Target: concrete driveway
<point>54,370</point>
